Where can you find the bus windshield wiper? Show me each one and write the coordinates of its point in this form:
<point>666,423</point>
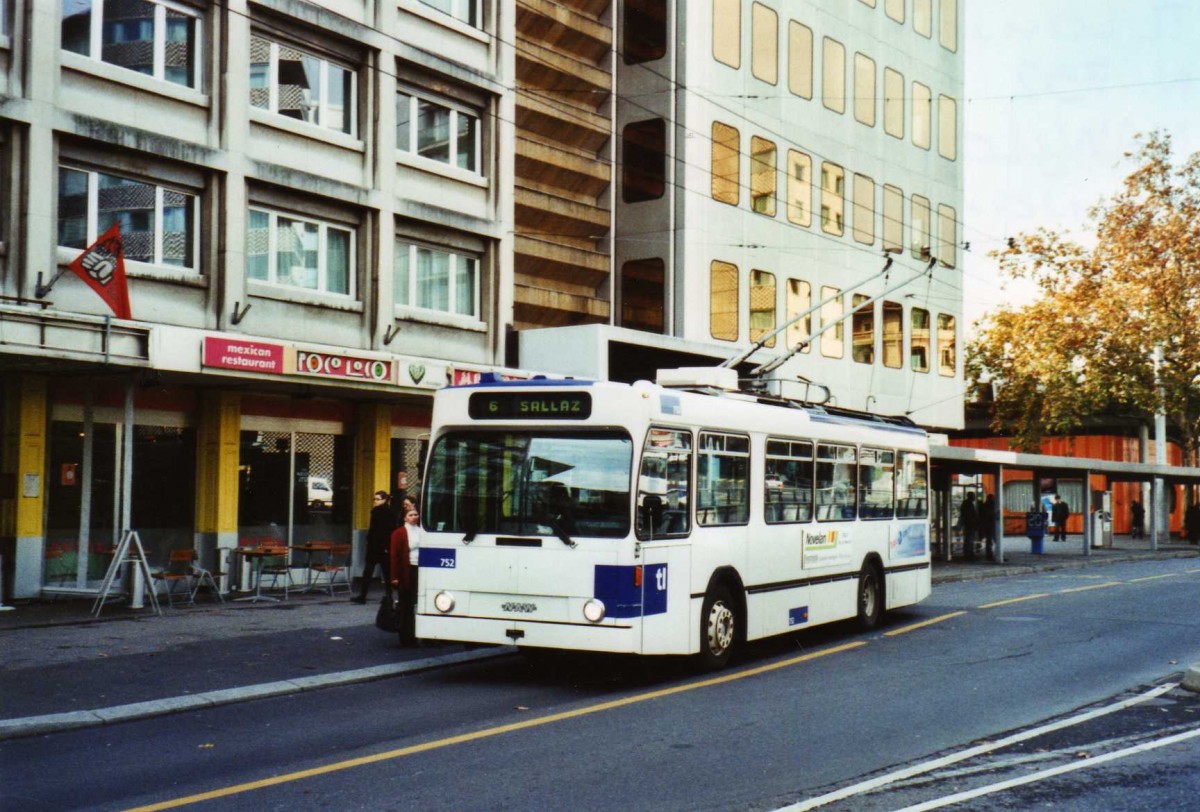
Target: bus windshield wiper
<point>560,532</point>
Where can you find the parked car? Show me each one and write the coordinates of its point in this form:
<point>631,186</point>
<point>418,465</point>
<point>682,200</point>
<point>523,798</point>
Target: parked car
<point>320,495</point>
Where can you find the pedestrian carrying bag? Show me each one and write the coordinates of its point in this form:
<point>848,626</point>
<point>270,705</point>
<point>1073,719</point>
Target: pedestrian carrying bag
<point>388,617</point>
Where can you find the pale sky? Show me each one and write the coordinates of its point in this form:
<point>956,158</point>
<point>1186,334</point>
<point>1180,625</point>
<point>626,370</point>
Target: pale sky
<point>1055,91</point>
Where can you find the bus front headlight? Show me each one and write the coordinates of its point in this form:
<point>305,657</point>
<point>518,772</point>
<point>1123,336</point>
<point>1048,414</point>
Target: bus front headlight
<point>593,610</point>
<point>444,602</point>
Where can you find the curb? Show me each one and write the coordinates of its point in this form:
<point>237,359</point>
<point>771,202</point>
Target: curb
<point>1007,570</point>
<point>75,720</point>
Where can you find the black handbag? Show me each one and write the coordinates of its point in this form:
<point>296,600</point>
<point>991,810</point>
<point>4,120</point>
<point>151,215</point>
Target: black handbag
<point>388,617</point>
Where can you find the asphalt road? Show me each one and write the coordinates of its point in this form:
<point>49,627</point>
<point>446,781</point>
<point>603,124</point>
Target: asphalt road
<point>796,718</point>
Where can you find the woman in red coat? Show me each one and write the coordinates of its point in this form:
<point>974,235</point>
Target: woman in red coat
<point>404,582</point>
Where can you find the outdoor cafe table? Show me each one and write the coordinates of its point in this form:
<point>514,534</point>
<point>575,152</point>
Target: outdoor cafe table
<point>257,557</point>
<point>309,548</point>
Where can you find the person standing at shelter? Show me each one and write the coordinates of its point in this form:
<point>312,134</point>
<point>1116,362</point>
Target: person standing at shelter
<point>1059,513</point>
<point>379,532</point>
<point>968,523</point>
<point>987,525</point>
<point>1138,528</point>
<point>1191,523</point>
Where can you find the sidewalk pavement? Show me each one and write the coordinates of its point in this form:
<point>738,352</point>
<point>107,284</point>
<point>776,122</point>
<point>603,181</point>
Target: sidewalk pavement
<point>61,668</point>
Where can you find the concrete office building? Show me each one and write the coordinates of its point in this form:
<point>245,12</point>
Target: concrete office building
<point>315,201</point>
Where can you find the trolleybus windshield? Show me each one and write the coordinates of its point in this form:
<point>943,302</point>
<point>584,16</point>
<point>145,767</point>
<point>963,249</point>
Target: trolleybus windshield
<point>530,483</point>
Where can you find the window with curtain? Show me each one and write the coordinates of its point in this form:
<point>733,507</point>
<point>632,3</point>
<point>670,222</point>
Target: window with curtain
<point>723,301</point>
<point>300,252</point>
<point>300,85</point>
<point>433,279</point>
<point>762,305</point>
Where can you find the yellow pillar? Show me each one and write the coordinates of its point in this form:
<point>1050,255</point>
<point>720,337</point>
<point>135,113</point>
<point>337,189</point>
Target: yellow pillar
<point>217,457</point>
<point>373,458</point>
<point>22,472</point>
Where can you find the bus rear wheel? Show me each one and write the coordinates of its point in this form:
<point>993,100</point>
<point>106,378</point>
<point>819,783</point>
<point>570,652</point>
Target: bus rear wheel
<point>870,597</point>
<point>718,629</point>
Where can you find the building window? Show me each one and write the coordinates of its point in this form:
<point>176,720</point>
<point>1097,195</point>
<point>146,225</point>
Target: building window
<point>864,209</point>
<point>947,236</point>
<point>299,85</point>
<point>764,34</point>
<point>833,75</point>
<point>923,17</point>
<point>864,89</point>
<point>466,11</point>
<point>894,9</point>
<point>922,111</point>
<point>833,199</point>
<point>725,163</point>
<point>644,160</point>
<point>762,176</point>
<point>643,295</point>
<point>436,280</point>
<point>723,301</point>
<point>893,103</point>
<point>893,335</point>
<point>727,32</point>
<point>762,306</point>
<point>833,338</point>
<point>947,345</point>
<point>153,38</point>
<point>893,219</point>
<point>921,245</point>
<point>799,188</point>
<point>644,31</point>
<point>799,300</point>
<point>438,132</point>
<point>918,353</point>
<point>947,128</point>
<point>159,225</point>
<point>948,24</point>
<point>299,252</point>
<point>800,59</point>
<point>862,330</point>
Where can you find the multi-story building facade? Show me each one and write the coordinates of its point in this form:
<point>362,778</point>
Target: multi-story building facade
<point>331,209</point>
<point>772,157</point>
<point>315,203</point>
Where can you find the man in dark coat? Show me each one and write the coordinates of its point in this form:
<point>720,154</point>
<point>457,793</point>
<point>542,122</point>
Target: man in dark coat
<point>1059,513</point>
<point>968,522</point>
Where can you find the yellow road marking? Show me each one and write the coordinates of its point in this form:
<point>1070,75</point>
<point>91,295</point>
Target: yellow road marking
<point>1091,586</point>
<point>1014,600</point>
<point>921,625</point>
<point>1154,577</point>
<point>349,764</point>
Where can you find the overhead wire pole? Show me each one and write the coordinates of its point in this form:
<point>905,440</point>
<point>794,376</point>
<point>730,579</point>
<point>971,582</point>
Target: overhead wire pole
<point>771,366</point>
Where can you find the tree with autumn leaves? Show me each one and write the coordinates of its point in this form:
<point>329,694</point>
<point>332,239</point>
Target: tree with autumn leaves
<point>1085,348</point>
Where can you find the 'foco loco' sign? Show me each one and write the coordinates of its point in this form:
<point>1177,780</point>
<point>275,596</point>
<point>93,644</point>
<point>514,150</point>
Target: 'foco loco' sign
<point>341,365</point>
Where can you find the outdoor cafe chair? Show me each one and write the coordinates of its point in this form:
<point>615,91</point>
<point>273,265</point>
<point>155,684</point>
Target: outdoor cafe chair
<point>178,575</point>
<point>275,565</point>
<point>335,566</point>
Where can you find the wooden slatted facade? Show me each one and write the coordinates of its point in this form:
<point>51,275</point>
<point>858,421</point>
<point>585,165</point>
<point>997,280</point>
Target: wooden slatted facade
<point>563,210</point>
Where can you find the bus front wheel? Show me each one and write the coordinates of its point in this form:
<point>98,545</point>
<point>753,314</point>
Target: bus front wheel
<point>870,597</point>
<point>718,629</point>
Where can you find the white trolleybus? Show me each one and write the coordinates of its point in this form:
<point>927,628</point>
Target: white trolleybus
<point>673,518</point>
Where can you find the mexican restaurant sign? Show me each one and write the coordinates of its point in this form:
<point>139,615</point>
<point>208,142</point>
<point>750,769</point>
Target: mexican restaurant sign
<point>244,356</point>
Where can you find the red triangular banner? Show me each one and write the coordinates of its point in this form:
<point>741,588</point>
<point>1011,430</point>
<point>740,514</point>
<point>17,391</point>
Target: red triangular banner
<point>102,266</point>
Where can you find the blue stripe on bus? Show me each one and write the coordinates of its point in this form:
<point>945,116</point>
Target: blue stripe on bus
<point>857,422</point>
<point>445,558</point>
<point>617,588</point>
<point>500,384</point>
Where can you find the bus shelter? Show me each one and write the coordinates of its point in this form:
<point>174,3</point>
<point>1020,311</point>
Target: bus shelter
<point>946,460</point>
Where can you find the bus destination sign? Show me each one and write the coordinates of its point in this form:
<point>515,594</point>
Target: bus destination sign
<point>530,406</point>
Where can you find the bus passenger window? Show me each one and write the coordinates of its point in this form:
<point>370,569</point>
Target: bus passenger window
<point>912,486</point>
<point>837,483</point>
<point>788,481</point>
<point>662,500</point>
<point>876,472</point>
<point>723,480</point>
